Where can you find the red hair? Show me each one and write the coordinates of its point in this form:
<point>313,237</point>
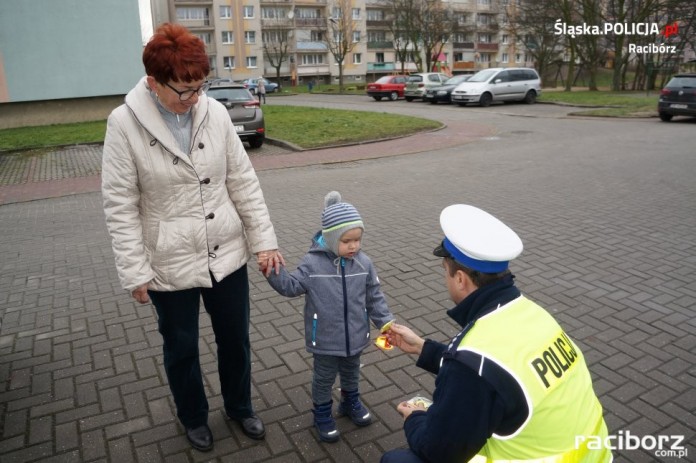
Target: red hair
<point>175,54</point>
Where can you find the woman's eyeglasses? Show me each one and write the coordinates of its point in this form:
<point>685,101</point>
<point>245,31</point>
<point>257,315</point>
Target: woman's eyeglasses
<point>187,94</point>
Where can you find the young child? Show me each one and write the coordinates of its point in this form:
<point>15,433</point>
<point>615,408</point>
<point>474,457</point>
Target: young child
<point>342,292</point>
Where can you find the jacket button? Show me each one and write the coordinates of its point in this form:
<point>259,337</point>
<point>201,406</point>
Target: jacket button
<point>210,216</point>
<point>216,247</point>
<point>205,181</point>
<point>201,146</point>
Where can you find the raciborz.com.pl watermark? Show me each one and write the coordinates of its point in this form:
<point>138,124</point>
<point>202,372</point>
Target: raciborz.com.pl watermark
<point>661,446</point>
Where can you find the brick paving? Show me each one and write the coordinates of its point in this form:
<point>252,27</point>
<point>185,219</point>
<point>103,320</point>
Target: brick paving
<point>609,248</point>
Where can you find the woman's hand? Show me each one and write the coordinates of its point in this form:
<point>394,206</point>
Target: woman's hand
<point>402,337</point>
<point>140,294</point>
<point>270,260</point>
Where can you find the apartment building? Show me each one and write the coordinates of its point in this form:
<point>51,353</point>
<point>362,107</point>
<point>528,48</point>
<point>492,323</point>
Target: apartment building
<point>238,35</point>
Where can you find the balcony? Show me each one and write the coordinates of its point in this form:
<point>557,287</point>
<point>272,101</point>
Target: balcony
<point>464,66</point>
<point>381,67</point>
<point>276,23</point>
<point>309,45</point>
<point>463,45</point>
<point>312,70</point>
<point>378,23</point>
<point>383,44</point>
<point>487,46</point>
<point>310,22</point>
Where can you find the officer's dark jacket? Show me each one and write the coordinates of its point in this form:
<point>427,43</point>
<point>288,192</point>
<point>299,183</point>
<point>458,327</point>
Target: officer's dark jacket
<point>467,408</point>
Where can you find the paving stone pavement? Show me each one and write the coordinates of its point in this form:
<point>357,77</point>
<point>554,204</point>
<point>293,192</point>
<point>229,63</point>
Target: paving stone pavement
<point>610,250</point>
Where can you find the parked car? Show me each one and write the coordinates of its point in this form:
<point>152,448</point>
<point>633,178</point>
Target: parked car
<point>251,84</point>
<point>499,84</point>
<point>391,87</point>
<point>678,98</point>
<point>417,84</point>
<point>244,110</point>
<point>443,93</point>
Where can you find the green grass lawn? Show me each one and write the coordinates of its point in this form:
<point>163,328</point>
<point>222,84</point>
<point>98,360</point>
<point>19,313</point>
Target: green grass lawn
<point>605,103</point>
<point>314,127</point>
<point>302,126</point>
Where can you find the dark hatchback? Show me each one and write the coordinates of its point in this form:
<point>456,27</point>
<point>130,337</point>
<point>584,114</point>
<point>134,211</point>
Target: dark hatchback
<point>678,98</point>
<point>443,93</point>
<point>244,111</point>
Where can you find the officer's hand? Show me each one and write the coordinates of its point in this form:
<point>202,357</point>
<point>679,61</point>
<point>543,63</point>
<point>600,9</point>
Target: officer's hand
<point>406,408</point>
<point>402,337</point>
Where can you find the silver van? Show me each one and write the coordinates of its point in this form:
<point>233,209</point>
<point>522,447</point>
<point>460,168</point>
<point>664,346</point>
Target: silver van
<point>499,84</point>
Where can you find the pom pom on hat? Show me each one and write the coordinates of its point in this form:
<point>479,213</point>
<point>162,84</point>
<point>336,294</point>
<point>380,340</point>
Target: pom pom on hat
<point>338,217</point>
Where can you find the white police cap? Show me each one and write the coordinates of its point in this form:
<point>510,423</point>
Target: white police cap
<point>476,239</point>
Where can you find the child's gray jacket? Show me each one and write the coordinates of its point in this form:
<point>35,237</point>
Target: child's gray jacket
<point>340,295</point>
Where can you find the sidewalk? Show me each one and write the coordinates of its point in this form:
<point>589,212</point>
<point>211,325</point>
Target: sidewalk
<point>609,250</point>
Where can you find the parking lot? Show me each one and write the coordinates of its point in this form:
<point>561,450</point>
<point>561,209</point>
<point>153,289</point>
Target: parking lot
<point>605,209</point>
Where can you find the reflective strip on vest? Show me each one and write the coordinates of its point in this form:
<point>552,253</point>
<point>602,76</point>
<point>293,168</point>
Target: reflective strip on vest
<point>564,412</point>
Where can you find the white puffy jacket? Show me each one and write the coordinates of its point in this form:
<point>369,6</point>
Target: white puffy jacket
<point>175,217</point>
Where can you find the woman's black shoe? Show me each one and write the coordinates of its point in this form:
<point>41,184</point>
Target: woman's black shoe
<point>201,438</point>
<point>252,426</point>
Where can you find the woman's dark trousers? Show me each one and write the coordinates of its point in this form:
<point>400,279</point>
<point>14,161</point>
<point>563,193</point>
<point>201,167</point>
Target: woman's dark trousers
<point>227,303</point>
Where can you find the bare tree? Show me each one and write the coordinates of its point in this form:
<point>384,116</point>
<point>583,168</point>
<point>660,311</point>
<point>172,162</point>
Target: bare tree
<point>401,15</point>
<point>532,23</point>
<point>340,39</point>
<point>436,24</point>
<point>276,45</point>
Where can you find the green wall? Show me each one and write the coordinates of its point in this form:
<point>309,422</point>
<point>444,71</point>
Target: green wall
<point>54,49</point>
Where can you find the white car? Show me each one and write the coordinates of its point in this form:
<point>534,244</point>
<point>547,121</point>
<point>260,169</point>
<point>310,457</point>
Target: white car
<point>499,84</point>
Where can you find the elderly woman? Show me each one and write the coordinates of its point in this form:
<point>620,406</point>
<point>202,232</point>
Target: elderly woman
<point>185,213</point>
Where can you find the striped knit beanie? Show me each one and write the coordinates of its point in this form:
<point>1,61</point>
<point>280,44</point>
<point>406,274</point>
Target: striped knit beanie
<point>338,217</point>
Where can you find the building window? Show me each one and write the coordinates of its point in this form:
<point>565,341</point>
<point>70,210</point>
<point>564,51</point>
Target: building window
<point>375,15</point>
<point>213,67</point>
<point>249,36</point>
<point>505,39</point>
<point>205,37</point>
<point>504,58</point>
<point>185,13</point>
<point>518,58</point>
<point>357,58</point>
<point>307,13</point>
<point>336,13</point>
<point>356,36</point>
<point>227,37</point>
<point>483,58</point>
<point>483,19</point>
<point>376,36</point>
<point>275,36</point>
<point>251,61</point>
<point>312,60</point>
<point>458,56</point>
<point>356,13</point>
<point>379,57</point>
<point>274,13</point>
<point>485,38</point>
<point>228,62</point>
<point>316,36</point>
<point>225,12</point>
<point>248,11</point>
<point>484,2</point>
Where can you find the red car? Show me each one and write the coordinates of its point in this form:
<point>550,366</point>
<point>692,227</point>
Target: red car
<point>391,87</point>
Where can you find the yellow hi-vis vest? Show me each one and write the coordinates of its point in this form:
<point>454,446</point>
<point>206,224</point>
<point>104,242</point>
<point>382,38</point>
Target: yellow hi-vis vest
<point>564,412</point>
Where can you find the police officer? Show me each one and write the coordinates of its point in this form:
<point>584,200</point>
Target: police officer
<point>511,385</point>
